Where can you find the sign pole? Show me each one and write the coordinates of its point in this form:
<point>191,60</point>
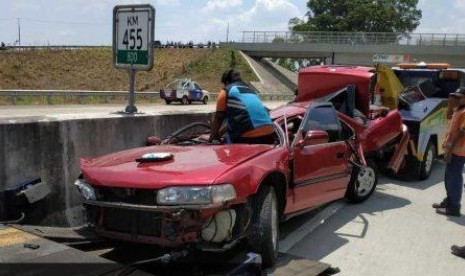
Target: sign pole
<point>131,108</point>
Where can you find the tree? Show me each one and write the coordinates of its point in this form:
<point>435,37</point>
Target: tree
<point>359,16</point>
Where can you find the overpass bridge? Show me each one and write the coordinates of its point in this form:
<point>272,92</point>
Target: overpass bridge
<point>357,48</point>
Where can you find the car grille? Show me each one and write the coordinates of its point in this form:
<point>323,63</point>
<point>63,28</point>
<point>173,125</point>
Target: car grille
<point>133,222</point>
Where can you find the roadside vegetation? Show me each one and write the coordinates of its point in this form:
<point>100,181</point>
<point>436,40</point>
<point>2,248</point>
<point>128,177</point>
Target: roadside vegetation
<point>92,69</point>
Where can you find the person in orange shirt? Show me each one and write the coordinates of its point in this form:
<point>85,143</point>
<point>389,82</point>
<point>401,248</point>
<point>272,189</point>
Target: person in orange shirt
<point>248,120</point>
<point>454,156</point>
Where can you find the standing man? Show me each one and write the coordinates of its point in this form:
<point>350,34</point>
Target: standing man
<point>454,156</point>
<point>248,121</point>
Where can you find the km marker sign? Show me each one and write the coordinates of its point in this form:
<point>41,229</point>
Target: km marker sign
<point>133,34</point>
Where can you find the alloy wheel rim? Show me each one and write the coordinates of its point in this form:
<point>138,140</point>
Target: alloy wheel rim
<point>366,180</point>
<point>429,160</point>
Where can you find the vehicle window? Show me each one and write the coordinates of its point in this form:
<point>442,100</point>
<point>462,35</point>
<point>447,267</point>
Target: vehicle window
<point>181,85</point>
<point>293,125</point>
<point>412,95</point>
<point>323,118</point>
<point>196,86</point>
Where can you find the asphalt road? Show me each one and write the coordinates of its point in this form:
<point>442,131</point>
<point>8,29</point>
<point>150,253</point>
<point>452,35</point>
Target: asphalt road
<point>15,111</point>
<point>395,232</point>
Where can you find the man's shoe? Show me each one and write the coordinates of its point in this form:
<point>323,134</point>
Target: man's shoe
<point>458,251</point>
<point>455,212</point>
<point>442,204</point>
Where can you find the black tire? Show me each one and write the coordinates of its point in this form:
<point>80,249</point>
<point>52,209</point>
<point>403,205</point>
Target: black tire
<point>362,183</point>
<point>205,100</point>
<point>426,166</point>
<point>168,102</point>
<point>263,240</point>
<point>184,100</point>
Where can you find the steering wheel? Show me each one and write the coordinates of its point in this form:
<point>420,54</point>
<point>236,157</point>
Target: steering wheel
<point>188,134</point>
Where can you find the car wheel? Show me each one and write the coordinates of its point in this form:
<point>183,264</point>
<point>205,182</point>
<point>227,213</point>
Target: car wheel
<point>184,100</point>
<point>363,183</point>
<point>167,101</point>
<point>426,166</point>
<point>265,232</point>
<point>205,100</point>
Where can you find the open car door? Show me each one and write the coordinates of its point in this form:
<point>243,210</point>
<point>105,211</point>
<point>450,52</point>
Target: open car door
<point>321,163</point>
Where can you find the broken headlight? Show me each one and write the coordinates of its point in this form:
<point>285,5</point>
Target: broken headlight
<point>196,194</point>
<point>85,189</point>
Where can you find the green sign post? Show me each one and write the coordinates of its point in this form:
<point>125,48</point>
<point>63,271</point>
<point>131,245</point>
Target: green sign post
<point>133,35</point>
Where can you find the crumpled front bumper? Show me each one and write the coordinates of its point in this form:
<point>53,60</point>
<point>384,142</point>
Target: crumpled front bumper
<point>167,226</point>
<point>151,208</point>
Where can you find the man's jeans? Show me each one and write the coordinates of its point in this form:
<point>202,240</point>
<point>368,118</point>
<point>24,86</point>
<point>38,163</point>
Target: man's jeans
<point>454,181</point>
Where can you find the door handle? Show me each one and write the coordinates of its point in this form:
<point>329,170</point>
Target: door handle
<point>340,155</point>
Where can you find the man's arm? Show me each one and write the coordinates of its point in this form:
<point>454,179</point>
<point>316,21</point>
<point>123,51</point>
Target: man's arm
<point>450,145</point>
<point>219,115</point>
<point>216,125</point>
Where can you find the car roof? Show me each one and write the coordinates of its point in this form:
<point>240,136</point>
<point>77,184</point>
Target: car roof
<point>290,109</point>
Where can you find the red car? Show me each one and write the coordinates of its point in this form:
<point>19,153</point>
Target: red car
<point>185,192</point>
<point>383,136</point>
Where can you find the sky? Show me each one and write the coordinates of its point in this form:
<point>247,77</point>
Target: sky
<point>89,22</point>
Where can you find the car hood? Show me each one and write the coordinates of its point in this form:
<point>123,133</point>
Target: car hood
<point>190,165</point>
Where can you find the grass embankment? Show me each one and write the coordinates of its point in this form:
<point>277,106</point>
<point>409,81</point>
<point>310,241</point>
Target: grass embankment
<point>92,69</point>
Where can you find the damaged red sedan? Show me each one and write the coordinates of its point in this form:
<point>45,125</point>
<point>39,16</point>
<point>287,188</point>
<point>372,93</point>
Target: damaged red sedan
<point>185,192</point>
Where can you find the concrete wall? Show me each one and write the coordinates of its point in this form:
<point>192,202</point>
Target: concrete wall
<point>50,148</point>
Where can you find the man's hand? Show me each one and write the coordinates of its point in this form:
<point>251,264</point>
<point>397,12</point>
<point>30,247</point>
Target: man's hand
<point>447,157</point>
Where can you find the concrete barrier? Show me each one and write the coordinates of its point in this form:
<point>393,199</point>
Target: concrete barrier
<point>50,148</point>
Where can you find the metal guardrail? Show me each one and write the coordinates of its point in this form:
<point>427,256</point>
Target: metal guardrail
<point>74,47</point>
<point>355,38</point>
<point>80,95</point>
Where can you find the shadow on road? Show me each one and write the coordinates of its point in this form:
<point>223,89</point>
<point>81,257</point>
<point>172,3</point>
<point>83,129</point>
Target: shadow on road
<point>408,179</point>
<point>353,216</point>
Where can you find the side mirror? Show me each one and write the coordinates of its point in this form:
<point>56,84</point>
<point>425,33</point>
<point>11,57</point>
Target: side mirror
<point>314,137</point>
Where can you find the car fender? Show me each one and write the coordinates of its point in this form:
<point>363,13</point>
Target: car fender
<point>248,176</point>
<point>381,131</point>
<point>435,125</point>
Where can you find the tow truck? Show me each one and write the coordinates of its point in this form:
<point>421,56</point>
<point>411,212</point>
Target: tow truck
<point>420,92</point>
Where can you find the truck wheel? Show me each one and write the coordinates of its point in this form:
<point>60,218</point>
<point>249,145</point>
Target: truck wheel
<point>205,100</point>
<point>184,100</point>
<point>167,101</point>
<point>363,183</point>
<point>265,229</point>
<point>426,166</point>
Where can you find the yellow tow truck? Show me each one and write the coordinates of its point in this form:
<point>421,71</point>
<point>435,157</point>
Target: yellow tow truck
<point>420,92</point>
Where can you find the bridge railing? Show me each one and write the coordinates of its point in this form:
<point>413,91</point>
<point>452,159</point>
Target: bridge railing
<point>14,97</point>
<point>355,38</point>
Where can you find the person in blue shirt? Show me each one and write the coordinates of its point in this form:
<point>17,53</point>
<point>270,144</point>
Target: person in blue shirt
<point>248,120</point>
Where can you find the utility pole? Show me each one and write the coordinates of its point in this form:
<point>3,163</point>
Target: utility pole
<point>19,31</point>
<point>227,33</point>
